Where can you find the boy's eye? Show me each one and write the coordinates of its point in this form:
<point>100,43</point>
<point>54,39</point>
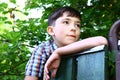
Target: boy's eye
<point>77,25</point>
<point>65,22</point>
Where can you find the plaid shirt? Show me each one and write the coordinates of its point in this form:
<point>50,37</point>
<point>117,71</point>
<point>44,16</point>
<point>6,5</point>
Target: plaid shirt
<point>40,55</point>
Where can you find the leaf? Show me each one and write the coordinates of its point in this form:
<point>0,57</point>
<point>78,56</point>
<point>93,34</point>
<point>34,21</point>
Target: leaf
<point>3,5</point>
<point>8,22</point>
<point>13,1</point>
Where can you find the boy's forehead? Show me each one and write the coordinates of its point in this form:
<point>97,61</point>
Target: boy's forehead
<point>67,16</point>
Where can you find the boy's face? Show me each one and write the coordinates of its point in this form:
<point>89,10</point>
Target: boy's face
<point>66,30</point>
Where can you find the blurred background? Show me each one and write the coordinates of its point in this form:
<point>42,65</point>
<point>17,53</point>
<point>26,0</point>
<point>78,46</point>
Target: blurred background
<point>23,26</point>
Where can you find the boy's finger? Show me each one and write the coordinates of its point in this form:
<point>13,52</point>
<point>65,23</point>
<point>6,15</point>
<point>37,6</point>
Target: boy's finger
<point>46,76</point>
<point>46,68</point>
<point>46,73</point>
<point>54,73</point>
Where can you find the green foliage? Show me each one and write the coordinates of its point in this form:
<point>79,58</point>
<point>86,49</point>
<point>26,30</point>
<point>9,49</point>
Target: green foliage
<point>13,1</point>
<point>21,35</point>
<point>111,65</point>
<point>3,6</point>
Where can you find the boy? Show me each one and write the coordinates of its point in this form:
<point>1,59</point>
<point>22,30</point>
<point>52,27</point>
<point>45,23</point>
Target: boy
<point>64,27</point>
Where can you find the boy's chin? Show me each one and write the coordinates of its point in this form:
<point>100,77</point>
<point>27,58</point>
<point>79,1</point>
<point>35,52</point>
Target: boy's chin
<point>69,42</point>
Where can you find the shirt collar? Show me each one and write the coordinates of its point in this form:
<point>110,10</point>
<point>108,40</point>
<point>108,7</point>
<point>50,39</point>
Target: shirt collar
<point>54,45</point>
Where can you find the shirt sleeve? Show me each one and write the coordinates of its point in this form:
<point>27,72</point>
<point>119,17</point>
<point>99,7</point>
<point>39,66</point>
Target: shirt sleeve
<point>36,63</point>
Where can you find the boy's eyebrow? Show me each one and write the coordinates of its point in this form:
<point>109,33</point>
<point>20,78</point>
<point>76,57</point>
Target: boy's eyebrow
<point>78,21</point>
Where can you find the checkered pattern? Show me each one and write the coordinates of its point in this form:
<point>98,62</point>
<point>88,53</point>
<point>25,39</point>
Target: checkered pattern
<point>40,55</point>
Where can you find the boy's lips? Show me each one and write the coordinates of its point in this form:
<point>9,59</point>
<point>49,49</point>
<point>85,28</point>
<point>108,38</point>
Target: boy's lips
<point>74,36</point>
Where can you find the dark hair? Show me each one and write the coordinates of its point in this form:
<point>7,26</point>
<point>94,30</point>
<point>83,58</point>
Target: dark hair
<point>59,12</point>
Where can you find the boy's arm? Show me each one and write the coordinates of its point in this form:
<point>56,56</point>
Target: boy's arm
<point>81,45</point>
<point>54,60</point>
<point>30,78</point>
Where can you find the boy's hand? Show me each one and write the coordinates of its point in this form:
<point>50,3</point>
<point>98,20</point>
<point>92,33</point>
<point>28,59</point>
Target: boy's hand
<point>52,64</point>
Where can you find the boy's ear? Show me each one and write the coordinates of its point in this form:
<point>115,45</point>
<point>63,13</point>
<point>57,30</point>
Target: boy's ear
<point>50,30</point>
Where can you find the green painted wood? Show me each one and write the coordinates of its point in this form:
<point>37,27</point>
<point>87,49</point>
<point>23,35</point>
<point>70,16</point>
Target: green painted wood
<point>66,70</point>
<point>87,65</point>
<point>91,66</point>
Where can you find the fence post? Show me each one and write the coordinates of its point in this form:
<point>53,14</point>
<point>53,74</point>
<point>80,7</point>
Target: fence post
<point>113,45</point>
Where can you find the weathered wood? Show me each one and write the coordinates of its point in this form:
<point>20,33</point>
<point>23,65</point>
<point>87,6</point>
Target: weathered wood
<point>66,70</point>
<point>91,66</point>
<point>88,65</point>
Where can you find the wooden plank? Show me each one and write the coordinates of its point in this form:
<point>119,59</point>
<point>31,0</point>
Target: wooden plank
<point>91,66</point>
<point>87,65</point>
<point>66,70</point>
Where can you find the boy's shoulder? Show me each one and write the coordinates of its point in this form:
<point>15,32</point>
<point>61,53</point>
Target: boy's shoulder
<point>47,46</point>
<point>46,43</point>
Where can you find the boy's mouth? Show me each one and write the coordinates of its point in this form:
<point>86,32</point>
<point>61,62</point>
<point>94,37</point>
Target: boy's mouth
<point>72,36</point>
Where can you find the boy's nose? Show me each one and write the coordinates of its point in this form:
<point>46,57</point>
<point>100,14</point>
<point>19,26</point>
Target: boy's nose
<point>73,28</point>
